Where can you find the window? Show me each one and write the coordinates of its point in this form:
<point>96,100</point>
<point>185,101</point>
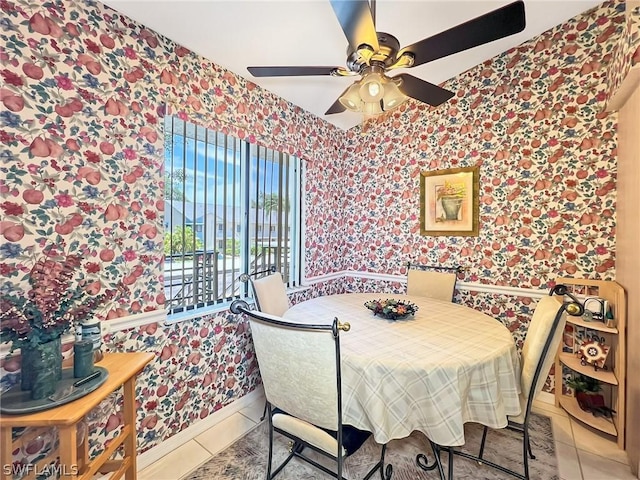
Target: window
<point>231,191</point>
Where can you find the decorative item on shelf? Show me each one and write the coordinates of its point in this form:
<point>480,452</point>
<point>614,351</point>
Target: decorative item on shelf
<point>597,308</point>
<point>586,391</point>
<point>34,321</point>
<point>391,309</point>
<point>92,331</point>
<point>82,358</point>
<point>610,321</point>
<point>593,352</point>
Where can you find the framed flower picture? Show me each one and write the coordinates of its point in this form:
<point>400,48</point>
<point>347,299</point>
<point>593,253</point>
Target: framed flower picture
<point>449,202</point>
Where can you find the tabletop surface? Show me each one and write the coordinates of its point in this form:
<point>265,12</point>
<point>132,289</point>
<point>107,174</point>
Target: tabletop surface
<point>121,367</point>
<point>432,372</point>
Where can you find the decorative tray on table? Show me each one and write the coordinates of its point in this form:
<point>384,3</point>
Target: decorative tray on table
<point>17,401</point>
<point>391,309</point>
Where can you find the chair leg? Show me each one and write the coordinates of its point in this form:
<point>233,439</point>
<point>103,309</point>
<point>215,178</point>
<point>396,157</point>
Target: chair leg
<point>484,438</point>
<point>528,439</point>
<point>264,411</point>
<point>526,448</point>
<point>266,406</point>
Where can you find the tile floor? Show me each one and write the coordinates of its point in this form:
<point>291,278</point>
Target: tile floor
<point>582,454</point>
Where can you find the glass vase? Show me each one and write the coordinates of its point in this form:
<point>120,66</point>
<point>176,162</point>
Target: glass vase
<point>41,368</point>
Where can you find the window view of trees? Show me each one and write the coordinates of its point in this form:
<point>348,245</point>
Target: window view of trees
<point>181,240</point>
<point>235,204</point>
<point>270,202</point>
<point>174,180</point>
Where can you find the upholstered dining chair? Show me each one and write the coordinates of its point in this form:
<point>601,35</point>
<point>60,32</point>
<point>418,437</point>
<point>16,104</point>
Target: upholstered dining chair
<point>538,353</point>
<point>270,294</point>
<point>307,412</point>
<point>432,281</point>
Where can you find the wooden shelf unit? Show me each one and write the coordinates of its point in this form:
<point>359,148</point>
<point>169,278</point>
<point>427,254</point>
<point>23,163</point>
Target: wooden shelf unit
<point>74,456</point>
<point>613,379</point>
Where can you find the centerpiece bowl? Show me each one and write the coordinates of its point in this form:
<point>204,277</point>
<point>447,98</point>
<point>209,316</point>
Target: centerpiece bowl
<point>391,309</point>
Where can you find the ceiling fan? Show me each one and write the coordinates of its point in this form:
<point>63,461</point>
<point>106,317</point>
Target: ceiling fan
<point>372,54</point>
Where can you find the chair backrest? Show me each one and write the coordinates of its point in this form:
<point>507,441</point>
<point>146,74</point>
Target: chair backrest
<point>431,284</point>
<point>300,367</point>
<point>545,329</point>
<point>271,294</point>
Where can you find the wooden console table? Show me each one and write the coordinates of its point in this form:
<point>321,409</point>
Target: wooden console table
<point>74,461</point>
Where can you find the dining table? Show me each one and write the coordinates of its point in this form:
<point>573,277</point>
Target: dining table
<point>433,371</point>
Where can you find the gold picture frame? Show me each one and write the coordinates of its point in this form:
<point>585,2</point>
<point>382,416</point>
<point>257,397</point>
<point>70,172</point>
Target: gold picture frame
<point>449,202</point>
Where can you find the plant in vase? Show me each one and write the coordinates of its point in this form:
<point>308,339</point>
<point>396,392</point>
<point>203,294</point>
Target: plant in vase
<point>586,390</point>
<point>35,321</point>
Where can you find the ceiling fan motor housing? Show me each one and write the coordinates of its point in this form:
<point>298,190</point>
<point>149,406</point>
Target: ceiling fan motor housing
<point>385,56</point>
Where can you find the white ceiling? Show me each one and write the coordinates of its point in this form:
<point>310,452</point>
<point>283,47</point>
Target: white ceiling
<point>236,34</point>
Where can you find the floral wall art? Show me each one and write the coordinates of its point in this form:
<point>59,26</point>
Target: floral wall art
<point>449,202</point>
<point>84,90</point>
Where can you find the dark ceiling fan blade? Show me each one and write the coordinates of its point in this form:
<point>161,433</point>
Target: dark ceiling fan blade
<point>491,26</point>
<point>357,23</point>
<point>337,107</point>
<point>425,92</point>
<point>290,71</point>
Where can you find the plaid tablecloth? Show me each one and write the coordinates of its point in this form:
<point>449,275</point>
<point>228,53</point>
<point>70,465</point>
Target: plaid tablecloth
<point>433,372</point>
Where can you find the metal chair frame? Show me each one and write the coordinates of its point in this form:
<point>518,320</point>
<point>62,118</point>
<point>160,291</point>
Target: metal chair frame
<point>240,306</point>
<point>246,277</point>
<point>573,308</point>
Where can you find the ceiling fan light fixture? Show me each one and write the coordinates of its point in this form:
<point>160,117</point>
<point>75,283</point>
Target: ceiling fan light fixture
<point>351,99</point>
<point>372,108</point>
<point>372,89</point>
<point>393,97</point>
<point>374,94</point>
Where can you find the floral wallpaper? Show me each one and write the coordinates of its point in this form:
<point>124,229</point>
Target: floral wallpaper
<point>627,55</point>
<point>532,119</point>
<point>84,93</point>
<point>84,90</point>
<point>634,33</point>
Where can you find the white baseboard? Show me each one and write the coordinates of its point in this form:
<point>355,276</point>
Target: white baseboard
<point>170,444</point>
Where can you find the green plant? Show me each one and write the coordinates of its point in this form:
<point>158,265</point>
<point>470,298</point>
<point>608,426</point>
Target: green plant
<point>181,241</point>
<point>582,383</point>
<point>270,202</point>
<point>232,248</point>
